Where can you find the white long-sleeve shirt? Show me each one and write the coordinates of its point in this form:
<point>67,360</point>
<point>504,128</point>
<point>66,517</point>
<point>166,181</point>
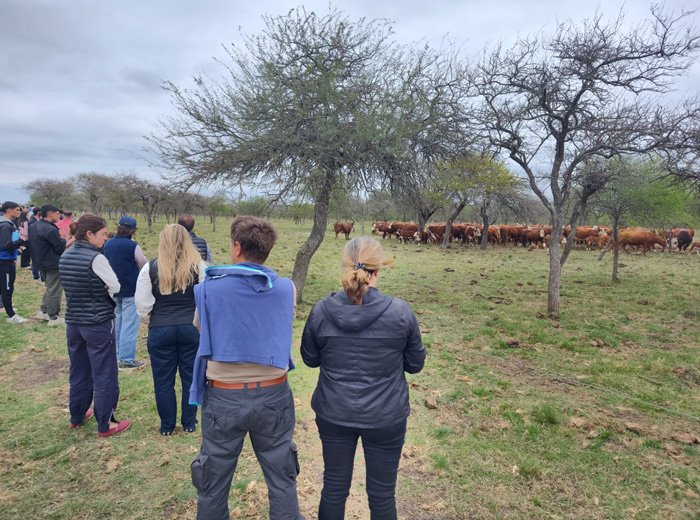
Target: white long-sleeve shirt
<point>101,267</point>
<point>144,297</point>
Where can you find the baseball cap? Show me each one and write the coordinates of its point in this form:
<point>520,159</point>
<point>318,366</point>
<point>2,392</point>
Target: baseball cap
<point>127,222</point>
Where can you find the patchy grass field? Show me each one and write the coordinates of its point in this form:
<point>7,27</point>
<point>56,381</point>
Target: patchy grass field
<point>515,416</point>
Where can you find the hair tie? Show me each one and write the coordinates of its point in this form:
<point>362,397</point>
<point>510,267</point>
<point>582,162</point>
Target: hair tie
<point>360,265</point>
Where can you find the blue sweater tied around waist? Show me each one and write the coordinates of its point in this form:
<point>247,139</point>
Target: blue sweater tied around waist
<point>245,314</point>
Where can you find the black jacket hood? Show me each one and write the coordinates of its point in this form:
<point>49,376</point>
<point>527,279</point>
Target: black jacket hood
<point>350,317</point>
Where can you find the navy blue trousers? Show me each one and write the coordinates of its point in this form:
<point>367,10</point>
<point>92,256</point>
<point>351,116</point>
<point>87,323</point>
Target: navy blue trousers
<point>382,447</point>
<point>172,349</point>
<point>93,372</point>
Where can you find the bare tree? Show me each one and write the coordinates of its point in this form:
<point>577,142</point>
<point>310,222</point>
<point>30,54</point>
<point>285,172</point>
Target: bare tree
<point>299,112</point>
<point>589,90</point>
<point>95,187</point>
<point>150,195</point>
<point>50,191</point>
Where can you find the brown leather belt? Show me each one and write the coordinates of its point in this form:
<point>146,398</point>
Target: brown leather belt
<point>244,386</point>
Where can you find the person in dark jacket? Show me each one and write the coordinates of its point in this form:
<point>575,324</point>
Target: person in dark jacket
<point>187,221</point>
<point>47,246</point>
<point>126,258</point>
<point>165,295</point>
<point>35,216</point>
<point>363,341</point>
<point>10,245</point>
<point>90,283</point>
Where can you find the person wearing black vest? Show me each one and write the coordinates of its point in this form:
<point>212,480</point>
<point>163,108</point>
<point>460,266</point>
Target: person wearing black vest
<point>187,221</point>
<point>90,283</point>
<point>126,258</point>
<point>363,341</point>
<point>165,296</point>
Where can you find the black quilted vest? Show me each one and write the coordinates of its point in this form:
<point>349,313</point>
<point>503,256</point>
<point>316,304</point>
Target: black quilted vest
<point>172,309</point>
<point>200,244</point>
<point>88,301</point>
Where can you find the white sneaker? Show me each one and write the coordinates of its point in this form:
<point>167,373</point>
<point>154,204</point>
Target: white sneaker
<point>57,321</point>
<point>42,316</point>
<point>17,319</point>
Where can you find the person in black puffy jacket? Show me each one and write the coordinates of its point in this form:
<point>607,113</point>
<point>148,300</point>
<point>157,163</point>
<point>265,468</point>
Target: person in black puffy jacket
<point>363,341</point>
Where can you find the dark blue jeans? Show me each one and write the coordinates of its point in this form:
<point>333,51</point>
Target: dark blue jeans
<point>382,447</point>
<point>173,348</point>
<point>93,372</point>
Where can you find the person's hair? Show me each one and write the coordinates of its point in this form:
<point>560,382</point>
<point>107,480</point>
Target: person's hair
<point>8,205</point>
<point>360,259</point>
<point>186,221</point>
<point>125,232</point>
<point>178,260</point>
<point>67,213</point>
<point>256,237</point>
<point>48,208</point>
<point>24,216</point>
<point>87,222</point>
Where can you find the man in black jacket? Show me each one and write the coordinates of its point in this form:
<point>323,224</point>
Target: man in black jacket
<point>10,244</point>
<point>47,247</point>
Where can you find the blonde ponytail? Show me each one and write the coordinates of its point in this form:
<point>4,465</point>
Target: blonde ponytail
<point>361,258</point>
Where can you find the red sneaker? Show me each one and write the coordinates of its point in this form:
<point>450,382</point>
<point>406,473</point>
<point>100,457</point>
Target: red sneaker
<point>120,427</point>
<point>88,415</point>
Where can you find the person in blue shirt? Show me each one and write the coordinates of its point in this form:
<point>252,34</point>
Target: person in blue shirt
<point>245,313</point>
<point>10,245</point>
<point>126,258</point>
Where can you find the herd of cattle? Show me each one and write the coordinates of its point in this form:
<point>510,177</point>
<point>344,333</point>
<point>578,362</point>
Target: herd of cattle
<point>534,236</point>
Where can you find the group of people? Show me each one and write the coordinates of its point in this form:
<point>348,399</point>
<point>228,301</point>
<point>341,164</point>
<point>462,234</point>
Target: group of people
<point>38,236</point>
<point>227,331</point>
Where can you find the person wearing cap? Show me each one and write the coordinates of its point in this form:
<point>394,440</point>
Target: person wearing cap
<point>245,313</point>
<point>363,341</point>
<point>10,245</point>
<point>126,258</point>
<point>47,246</point>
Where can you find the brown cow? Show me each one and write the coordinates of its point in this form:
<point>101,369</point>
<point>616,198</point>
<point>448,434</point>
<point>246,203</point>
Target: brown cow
<point>343,227</point>
<point>683,236</point>
<point>383,228</point>
<point>406,234</point>
<point>636,236</point>
<point>695,246</point>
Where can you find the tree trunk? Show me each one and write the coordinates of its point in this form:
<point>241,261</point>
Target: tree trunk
<point>213,223</point>
<point>616,251</point>
<point>149,221</point>
<point>450,221</point>
<point>318,231</point>
<point>485,227</point>
<point>555,268</point>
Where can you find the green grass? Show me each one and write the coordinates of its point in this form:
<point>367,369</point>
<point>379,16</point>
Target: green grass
<point>523,378</point>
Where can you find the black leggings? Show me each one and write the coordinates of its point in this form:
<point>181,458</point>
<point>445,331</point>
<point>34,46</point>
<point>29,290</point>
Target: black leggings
<point>382,447</point>
<point>8,272</point>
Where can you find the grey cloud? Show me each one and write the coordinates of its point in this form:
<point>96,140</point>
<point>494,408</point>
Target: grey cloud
<point>80,81</point>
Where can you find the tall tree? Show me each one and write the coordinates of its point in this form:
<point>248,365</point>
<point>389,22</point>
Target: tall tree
<point>298,113</point>
<point>50,191</point>
<point>588,90</point>
<point>95,188</point>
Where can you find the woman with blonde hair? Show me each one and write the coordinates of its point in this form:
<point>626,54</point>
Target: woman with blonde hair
<point>165,294</point>
<point>363,341</point>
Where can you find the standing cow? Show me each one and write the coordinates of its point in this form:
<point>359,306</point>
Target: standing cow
<point>343,227</point>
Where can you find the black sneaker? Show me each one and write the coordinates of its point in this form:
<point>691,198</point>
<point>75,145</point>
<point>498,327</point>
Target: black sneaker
<point>127,365</point>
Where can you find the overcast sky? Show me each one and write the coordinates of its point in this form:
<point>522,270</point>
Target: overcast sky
<point>80,81</point>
